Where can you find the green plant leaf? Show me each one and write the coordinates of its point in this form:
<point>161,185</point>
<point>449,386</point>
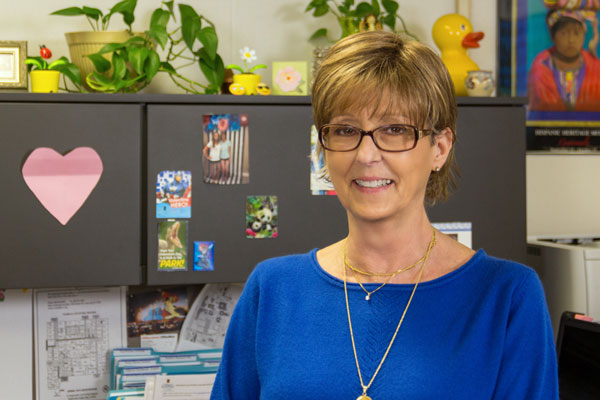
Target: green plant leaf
<point>158,26</point>
<point>210,41</point>
<point>100,63</point>
<point>390,6</point>
<point>315,4</point>
<point>110,47</point>
<point>343,10</point>
<point>375,7</point>
<point>93,13</point>
<point>257,66</point>
<point>165,66</point>
<point>100,80</point>
<point>236,67</point>
<point>60,61</point>
<point>321,10</point>
<point>70,11</point>
<point>389,20</point>
<point>119,65</point>
<point>363,9</point>
<point>71,71</point>
<point>35,62</point>
<point>213,70</point>
<point>152,65</point>
<point>319,33</point>
<point>348,3</point>
<point>126,8</point>
<point>169,5</point>
<point>137,57</point>
<point>190,25</point>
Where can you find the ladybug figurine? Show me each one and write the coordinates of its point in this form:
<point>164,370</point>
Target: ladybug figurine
<point>45,52</point>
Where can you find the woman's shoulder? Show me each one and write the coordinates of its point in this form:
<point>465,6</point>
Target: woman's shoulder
<point>505,273</point>
<point>285,265</point>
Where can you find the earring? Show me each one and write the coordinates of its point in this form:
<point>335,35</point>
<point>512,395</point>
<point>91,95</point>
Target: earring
<point>437,169</point>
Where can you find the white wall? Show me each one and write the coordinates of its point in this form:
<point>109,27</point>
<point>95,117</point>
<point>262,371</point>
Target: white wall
<point>563,194</point>
<point>277,30</point>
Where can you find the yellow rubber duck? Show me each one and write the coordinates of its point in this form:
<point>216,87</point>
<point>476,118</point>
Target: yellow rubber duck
<point>453,34</point>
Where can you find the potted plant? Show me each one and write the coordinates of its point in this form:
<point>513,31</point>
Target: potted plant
<point>353,17</point>
<point>135,61</point>
<point>88,42</point>
<point>247,78</point>
<point>45,76</point>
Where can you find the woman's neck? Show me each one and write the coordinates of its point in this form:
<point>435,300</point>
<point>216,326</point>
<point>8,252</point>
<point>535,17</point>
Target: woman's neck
<point>567,63</point>
<point>386,246</point>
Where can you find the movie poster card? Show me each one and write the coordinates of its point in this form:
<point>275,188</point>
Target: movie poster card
<point>261,217</point>
<point>174,194</point>
<point>204,256</point>
<point>156,311</point>
<point>226,154</point>
<point>172,245</point>
<point>549,52</point>
<point>319,184</point>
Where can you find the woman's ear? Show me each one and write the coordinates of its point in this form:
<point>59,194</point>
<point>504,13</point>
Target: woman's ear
<point>443,142</point>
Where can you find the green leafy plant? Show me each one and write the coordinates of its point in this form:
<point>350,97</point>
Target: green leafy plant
<point>136,61</point>
<point>350,15</point>
<point>248,55</point>
<point>97,19</point>
<point>63,65</point>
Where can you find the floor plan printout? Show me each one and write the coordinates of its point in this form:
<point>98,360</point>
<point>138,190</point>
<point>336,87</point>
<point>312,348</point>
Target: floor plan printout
<point>74,331</point>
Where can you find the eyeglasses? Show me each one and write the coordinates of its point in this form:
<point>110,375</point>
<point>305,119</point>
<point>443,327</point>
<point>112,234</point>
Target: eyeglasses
<point>395,137</point>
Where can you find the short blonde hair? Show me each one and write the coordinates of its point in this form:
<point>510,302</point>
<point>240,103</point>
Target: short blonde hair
<point>359,69</point>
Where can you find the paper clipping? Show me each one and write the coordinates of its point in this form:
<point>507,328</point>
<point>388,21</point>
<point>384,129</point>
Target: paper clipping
<point>74,331</point>
<point>206,323</point>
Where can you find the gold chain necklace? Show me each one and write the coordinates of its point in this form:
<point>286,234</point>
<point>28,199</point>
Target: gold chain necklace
<point>364,396</point>
<point>389,275</point>
<point>360,271</point>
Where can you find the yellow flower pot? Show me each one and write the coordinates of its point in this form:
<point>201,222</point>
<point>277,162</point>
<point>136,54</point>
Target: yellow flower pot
<point>248,81</point>
<point>44,81</point>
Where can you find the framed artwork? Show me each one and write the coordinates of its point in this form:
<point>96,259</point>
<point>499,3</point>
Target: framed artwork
<point>13,71</point>
<point>289,78</point>
<point>548,51</point>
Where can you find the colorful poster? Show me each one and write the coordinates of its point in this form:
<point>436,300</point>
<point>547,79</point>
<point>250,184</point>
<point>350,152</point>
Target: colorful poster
<point>319,183</point>
<point>289,78</point>
<point>226,159</point>
<point>204,256</point>
<point>261,217</point>
<point>549,52</point>
<point>172,245</point>
<point>156,311</point>
<point>174,194</point>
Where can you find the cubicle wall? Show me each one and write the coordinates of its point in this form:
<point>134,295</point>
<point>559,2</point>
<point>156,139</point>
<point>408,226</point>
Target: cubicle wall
<point>112,239</point>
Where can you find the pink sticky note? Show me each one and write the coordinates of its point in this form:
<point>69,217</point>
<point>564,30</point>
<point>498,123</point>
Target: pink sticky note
<point>62,183</point>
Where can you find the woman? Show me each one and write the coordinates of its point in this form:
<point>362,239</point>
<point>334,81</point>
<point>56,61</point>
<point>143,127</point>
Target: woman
<point>396,310</point>
<point>225,152</point>
<point>212,153</point>
<point>566,77</point>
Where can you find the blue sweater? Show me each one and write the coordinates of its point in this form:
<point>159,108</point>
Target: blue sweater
<point>479,332</point>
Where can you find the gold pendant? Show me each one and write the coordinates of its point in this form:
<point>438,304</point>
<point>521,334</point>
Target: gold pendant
<point>363,397</point>
<point>367,297</point>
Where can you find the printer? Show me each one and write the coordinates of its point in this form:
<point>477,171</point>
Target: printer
<point>569,268</point>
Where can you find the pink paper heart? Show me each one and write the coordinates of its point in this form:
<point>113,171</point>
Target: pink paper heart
<point>62,183</point>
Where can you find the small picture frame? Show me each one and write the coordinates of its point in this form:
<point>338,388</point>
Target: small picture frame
<point>13,71</point>
<point>290,78</point>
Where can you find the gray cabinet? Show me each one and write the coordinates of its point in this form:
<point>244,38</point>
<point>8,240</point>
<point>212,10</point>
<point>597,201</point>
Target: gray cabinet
<point>100,245</point>
<point>112,239</point>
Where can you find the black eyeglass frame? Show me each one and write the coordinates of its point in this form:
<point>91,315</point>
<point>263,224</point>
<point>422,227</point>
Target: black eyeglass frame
<point>419,133</point>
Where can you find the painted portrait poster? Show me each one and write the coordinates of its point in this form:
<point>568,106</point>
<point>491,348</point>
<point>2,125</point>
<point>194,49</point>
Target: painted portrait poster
<point>226,152</point>
<point>553,60</point>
